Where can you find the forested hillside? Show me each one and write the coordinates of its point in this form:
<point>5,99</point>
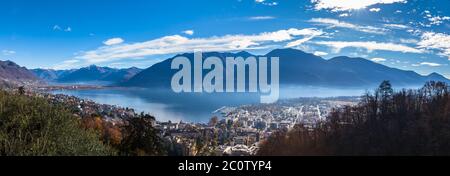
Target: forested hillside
<point>406,122</point>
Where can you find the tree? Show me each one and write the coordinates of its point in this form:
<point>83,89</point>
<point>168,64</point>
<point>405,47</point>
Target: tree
<point>21,90</point>
<point>385,90</point>
<point>109,133</point>
<point>140,138</point>
<point>213,121</point>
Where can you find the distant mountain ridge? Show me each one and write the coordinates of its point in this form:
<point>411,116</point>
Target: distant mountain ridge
<point>296,68</point>
<point>50,74</point>
<point>12,74</point>
<point>300,68</point>
<point>87,74</point>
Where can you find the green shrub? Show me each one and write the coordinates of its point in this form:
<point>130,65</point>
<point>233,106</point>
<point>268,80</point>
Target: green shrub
<point>30,126</point>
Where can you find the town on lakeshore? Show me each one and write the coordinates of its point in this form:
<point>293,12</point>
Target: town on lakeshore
<point>224,78</point>
<point>231,131</point>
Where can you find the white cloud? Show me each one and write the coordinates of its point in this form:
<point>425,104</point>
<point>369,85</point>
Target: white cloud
<point>416,32</point>
<point>375,9</point>
<point>8,52</point>
<point>264,2</point>
<point>436,41</point>
<point>369,46</point>
<point>344,15</point>
<point>378,59</point>
<point>178,44</point>
<point>396,26</point>
<point>438,20</point>
<point>433,20</point>
<point>261,18</point>
<point>320,53</point>
<point>67,64</point>
<point>336,23</point>
<point>308,33</point>
<point>431,64</point>
<point>113,41</point>
<point>271,4</point>
<point>409,41</point>
<point>59,28</point>
<point>346,5</point>
<point>188,32</point>
<point>56,28</point>
<point>299,42</point>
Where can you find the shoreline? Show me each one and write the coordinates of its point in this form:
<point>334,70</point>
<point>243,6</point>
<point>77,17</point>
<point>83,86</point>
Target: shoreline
<point>69,87</point>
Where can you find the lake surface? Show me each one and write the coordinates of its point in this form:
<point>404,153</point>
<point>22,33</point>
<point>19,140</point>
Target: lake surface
<point>192,107</point>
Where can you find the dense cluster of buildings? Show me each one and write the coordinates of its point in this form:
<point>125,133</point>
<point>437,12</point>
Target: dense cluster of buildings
<point>88,108</point>
<point>240,129</point>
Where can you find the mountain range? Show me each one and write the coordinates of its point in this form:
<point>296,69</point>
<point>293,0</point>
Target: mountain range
<point>87,74</point>
<point>296,68</point>
<point>300,68</point>
<point>12,74</point>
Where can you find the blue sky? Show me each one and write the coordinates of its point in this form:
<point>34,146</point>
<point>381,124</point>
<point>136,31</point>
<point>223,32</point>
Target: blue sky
<point>406,34</point>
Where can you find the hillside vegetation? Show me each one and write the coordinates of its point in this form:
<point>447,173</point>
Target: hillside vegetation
<point>31,126</point>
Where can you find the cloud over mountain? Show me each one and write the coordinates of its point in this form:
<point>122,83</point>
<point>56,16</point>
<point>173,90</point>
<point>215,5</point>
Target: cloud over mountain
<point>178,44</point>
<point>369,46</point>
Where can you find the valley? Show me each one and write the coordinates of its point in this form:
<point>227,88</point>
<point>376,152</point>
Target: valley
<point>228,123</point>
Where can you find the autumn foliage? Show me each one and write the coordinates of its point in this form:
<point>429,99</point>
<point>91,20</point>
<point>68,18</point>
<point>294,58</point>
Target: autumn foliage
<point>130,137</point>
<point>109,132</point>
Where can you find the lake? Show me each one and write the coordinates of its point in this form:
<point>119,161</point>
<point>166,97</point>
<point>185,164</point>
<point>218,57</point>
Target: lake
<point>192,107</point>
